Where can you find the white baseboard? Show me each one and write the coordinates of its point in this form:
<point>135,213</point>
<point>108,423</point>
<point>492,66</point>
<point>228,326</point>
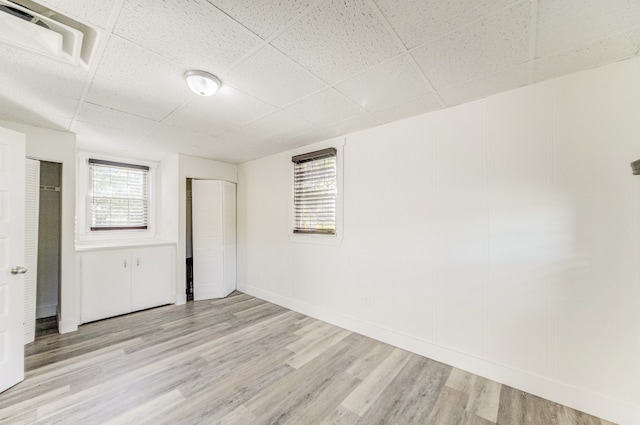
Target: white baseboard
<point>595,404</point>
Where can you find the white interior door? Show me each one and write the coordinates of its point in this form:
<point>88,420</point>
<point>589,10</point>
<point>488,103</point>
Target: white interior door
<point>208,239</point>
<point>31,212</point>
<point>12,176</point>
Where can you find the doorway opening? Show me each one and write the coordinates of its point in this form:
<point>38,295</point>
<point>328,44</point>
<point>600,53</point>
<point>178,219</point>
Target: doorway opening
<point>189,241</point>
<point>49,234</point>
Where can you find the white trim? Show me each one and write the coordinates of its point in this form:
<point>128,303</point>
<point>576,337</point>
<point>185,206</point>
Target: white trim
<point>576,398</point>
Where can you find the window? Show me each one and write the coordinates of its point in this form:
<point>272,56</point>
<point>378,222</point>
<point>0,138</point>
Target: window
<point>118,196</point>
<point>314,192</point>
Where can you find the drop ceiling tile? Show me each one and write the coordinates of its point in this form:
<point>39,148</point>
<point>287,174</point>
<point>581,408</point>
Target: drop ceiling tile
<point>324,108</point>
<point>110,94</point>
<point>14,112</point>
<point>612,49</point>
<point>194,118</point>
<point>94,12</point>
<point>230,105</point>
<point>387,84</point>
<point>132,66</point>
<point>271,76</point>
<point>262,17</point>
<point>351,125</point>
<point>25,97</point>
<point>313,136</point>
<point>118,120</point>
<point>192,33</point>
<point>175,138</point>
<point>40,73</point>
<point>419,21</point>
<point>502,81</point>
<point>478,50</point>
<point>98,138</point>
<point>338,39</point>
<point>564,25</point>
<point>422,105</point>
<point>277,126</point>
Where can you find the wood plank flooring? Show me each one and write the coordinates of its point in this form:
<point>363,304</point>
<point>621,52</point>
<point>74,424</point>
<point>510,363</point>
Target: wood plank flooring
<point>242,361</point>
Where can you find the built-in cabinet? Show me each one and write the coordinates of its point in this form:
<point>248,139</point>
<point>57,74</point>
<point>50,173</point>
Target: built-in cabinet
<point>116,281</point>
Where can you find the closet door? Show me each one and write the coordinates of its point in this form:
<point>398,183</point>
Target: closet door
<point>31,211</point>
<point>214,238</point>
<point>229,236</point>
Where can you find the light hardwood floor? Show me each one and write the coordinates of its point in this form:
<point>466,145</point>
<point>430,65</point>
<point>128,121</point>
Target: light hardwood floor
<point>242,361</point>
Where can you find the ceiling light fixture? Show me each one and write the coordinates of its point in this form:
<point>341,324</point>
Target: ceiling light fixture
<point>202,83</point>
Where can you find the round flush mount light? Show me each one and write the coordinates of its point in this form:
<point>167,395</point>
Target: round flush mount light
<point>202,83</point>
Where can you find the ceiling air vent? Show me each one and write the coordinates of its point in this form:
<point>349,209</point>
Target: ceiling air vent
<point>36,28</point>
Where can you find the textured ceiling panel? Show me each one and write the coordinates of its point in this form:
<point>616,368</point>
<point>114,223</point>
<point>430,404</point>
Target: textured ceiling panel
<point>324,108</point>
<point>127,99</point>
<point>419,21</point>
<point>98,138</point>
<point>612,49</point>
<point>278,126</point>
<point>93,12</point>
<point>24,98</point>
<point>421,105</point>
<point>192,33</point>
<point>297,71</point>
<point>262,17</point>
<point>273,77</point>
<point>228,105</point>
<point>387,84</point>
<point>566,25</point>
<point>481,49</point>
<point>190,119</point>
<point>135,67</point>
<point>506,79</point>
<point>338,39</point>
<point>12,110</point>
<point>40,73</point>
<point>110,118</point>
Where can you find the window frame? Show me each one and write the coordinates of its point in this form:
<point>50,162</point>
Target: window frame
<point>319,238</point>
<point>90,196</point>
<point>85,234</point>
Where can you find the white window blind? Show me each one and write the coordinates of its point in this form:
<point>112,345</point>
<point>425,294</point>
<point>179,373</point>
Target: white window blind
<point>314,192</point>
<point>118,195</point>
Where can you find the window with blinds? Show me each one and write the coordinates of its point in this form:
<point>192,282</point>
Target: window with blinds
<point>118,195</point>
<point>314,192</point>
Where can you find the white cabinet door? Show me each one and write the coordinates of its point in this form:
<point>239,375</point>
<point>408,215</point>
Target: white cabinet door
<point>106,284</point>
<point>152,277</point>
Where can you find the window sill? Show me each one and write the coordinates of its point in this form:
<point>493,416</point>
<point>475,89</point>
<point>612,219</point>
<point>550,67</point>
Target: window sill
<point>330,240</point>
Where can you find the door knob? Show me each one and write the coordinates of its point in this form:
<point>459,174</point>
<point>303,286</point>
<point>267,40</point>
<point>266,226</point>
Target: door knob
<point>18,270</point>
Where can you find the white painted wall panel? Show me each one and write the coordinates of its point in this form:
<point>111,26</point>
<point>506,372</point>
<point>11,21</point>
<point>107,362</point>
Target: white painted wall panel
<point>460,220</point>
<point>501,236</point>
<point>518,148</point>
<point>414,244</point>
<point>595,138</point>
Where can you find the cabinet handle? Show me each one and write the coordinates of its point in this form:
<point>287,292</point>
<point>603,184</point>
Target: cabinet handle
<point>137,261</point>
<point>125,264</point>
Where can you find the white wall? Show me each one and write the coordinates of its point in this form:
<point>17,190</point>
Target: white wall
<point>174,173</point>
<point>499,236</point>
<point>57,146</point>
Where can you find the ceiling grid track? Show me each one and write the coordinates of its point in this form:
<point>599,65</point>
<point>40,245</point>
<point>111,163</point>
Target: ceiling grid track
<point>93,67</point>
<point>533,42</point>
